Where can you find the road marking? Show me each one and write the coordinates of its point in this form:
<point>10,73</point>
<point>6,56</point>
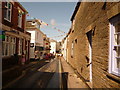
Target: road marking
<point>60,73</point>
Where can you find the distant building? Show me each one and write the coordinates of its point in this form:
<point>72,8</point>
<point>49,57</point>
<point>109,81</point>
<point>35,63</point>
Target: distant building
<point>58,47</point>
<point>64,48</point>
<point>53,45</point>
<point>46,42</point>
<point>37,38</point>
<point>94,43</point>
<point>16,41</point>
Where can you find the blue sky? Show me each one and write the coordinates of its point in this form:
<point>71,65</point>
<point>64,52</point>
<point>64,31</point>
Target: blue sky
<point>56,14</point>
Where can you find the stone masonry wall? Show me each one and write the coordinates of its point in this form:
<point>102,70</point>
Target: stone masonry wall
<point>91,16</point>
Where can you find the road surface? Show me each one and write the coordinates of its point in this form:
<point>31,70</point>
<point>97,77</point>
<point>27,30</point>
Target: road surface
<point>47,74</point>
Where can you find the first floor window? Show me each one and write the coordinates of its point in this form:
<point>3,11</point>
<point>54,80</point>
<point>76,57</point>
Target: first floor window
<point>7,11</point>
<point>20,13</point>
<point>114,65</point>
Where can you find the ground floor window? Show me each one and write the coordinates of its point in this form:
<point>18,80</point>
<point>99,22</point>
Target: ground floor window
<point>5,46</point>
<point>9,46</point>
<point>12,45</point>
<point>20,46</point>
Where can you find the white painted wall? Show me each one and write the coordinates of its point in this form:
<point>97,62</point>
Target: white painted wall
<point>39,37</point>
<point>64,52</point>
<point>36,37</point>
<point>32,36</point>
<point>53,47</point>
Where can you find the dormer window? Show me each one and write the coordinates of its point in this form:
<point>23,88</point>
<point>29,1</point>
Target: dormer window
<point>8,11</point>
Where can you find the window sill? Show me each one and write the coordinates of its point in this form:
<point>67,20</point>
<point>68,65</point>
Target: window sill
<point>7,19</point>
<point>113,77</point>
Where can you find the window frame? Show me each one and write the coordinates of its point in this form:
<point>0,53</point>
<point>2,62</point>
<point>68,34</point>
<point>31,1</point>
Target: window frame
<point>7,11</point>
<point>20,17</point>
<point>112,63</point>
<point>6,44</point>
<point>20,46</point>
<point>12,45</point>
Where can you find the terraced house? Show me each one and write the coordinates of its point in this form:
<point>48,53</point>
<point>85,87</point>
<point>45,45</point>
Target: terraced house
<point>93,43</point>
<point>17,40</point>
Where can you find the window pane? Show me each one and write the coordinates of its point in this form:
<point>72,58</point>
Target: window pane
<point>6,4</point>
<point>118,62</point>
<point>19,19</point>
<point>14,40</point>
<point>9,14</point>
<point>9,5</point>
<point>117,27</point>
<point>5,13</point>
<point>117,39</point>
<point>118,51</point>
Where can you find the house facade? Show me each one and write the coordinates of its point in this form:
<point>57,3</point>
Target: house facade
<point>58,47</point>
<point>93,43</point>
<point>37,38</point>
<point>53,45</point>
<point>46,44</point>
<point>64,48</point>
<point>16,40</point>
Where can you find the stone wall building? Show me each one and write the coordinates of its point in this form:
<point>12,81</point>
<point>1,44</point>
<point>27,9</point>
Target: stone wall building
<point>94,43</point>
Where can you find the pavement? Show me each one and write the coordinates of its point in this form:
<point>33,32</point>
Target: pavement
<point>73,81</point>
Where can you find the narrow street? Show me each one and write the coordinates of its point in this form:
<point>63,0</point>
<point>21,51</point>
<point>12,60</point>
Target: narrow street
<point>59,44</point>
<point>47,76</point>
<point>55,73</point>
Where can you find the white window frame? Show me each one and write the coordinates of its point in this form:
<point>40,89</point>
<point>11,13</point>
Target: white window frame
<point>20,46</point>
<point>6,48</point>
<point>112,63</point>
<point>20,17</point>
<point>8,9</point>
<point>12,45</point>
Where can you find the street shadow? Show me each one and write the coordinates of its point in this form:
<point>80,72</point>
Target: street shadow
<point>13,73</point>
<point>39,80</point>
<point>65,80</point>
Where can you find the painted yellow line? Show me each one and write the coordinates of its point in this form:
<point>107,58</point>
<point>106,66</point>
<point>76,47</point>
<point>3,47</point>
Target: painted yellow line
<point>60,73</point>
